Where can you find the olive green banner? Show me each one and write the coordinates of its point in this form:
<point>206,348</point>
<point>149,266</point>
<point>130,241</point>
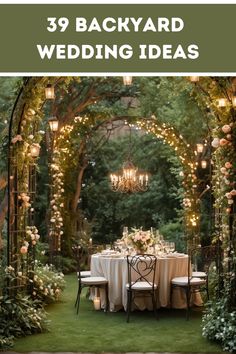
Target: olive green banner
<point>118,38</point>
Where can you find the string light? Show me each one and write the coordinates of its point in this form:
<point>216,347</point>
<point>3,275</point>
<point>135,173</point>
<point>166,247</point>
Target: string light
<point>222,102</point>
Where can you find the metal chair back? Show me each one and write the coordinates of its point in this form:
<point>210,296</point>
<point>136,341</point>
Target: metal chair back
<point>141,268</point>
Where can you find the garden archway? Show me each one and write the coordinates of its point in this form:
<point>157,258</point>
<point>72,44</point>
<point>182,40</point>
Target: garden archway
<point>25,134</point>
<point>25,131</point>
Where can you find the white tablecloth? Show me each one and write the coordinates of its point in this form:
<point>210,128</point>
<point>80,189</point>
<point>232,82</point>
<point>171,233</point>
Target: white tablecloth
<point>115,271</point>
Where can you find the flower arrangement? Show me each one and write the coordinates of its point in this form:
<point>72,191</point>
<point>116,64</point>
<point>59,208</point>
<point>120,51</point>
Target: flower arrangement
<point>47,283</point>
<point>139,239</point>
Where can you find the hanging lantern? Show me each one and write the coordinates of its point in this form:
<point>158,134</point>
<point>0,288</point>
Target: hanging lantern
<point>49,92</point>
<point>34,150</point>
<point>194,78</point>
<point>200,148</point>
<point>53,123</point>
<point>234,100</point>
<point>127,80</point>
<point>222,102</point>
<point>204,164</point>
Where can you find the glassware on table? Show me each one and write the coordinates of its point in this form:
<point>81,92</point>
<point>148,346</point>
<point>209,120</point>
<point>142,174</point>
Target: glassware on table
<point>151,250</point>
<point>125,231</point>
<point>166,246</point>
<point>172,246</point>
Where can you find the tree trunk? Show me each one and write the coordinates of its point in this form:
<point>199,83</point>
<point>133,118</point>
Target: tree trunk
<point>78,187</point>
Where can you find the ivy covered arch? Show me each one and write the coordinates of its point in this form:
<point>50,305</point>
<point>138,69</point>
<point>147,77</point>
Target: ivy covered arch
<point>26,133</point>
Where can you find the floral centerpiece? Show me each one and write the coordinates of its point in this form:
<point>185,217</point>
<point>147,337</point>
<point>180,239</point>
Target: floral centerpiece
<point>139,239</point>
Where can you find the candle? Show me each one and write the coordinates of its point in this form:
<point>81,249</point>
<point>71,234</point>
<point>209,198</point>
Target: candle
<point>97,303</point>
<point>90,241</point>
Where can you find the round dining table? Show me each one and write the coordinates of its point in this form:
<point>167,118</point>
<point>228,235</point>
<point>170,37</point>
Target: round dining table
<point>114,268</point>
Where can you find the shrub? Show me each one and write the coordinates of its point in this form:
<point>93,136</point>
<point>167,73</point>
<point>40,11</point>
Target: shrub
<point>173,231</point>
<point>20,316</point>
<point>219,324</point>
<point>47,283</point>
<point>5,343</point>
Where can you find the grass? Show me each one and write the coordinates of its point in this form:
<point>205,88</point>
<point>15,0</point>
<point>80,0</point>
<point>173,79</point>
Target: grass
<point>95,331</point>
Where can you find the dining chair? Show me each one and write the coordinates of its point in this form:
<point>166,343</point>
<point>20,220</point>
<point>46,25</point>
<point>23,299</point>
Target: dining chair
<point>199,262</point>
<point>86,280</point>
<point>202,261</point>
<point>141,280</point>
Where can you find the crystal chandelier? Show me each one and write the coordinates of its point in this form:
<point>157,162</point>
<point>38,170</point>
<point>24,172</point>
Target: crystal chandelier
<point>129,179</point>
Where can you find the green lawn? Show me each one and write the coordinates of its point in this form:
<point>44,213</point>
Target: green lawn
<point>95,331</point>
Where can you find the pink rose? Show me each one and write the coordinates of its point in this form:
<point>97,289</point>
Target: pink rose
<point>23,250</point>
<point>223,142</point>
<point>16,138</point>
<point>229,136</point>
<point>226,128</point>
<point>233,192</point>
<point>228,195</point>
<point>228,164</point>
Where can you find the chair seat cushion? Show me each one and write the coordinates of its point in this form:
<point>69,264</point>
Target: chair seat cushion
<point>199,274</point>
<point>183,281</point>
<point>141,285</point>
<point>94,281</point>
<point>84,273</point>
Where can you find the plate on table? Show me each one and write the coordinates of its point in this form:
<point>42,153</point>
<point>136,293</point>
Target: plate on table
<point>171,255</point>
<point>181,255</point>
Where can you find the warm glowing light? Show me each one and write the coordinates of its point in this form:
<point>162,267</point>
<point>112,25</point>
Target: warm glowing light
<point>234,100</point>
<point>129,179</point>
<point>127,80</point>
<point>200,148</point>
<point>49,92</point>
<point>222,102</point>
<point>97,303</point>
<point>34,150</point>
<point>204,164</point>
<point>194,78</point>
<point>53,123</point>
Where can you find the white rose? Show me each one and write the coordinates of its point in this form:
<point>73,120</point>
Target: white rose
<point>215,142</point>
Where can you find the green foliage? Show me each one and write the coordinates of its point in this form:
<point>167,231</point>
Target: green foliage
<point>20,316</point>
<point>8,90</point>
<point>173,231</point>
<point>20,313</point>
<point>109,211</point>
<point>47,283</point>
<point>171,100</point>
<point>6,343</point>
<point>219,324</point>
